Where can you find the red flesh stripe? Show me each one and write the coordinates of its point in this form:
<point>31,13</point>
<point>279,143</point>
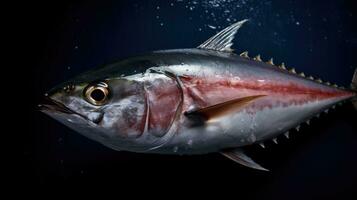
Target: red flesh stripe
<point>206,91</point>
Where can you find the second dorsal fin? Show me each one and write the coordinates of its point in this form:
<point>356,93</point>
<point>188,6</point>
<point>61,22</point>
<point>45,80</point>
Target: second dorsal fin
<point>222,41</point>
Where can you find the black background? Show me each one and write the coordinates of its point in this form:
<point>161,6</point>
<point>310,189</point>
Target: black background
<point>64,38</point>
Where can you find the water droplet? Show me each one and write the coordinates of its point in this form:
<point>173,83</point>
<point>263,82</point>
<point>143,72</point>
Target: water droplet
<point>175,149</point>
<point>297,23</point>
<point>199,29</point>
<point>212,27</point>
<point>76,47</point>
<point>69,67</point>
<point>190,142</point>
<point>161,24</point>
<point>157,7</point>
<point>171,4</point>
<point>157,17</point>
<point>252,138</point>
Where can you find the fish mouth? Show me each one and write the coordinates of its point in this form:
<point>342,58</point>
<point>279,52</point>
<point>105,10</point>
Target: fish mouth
<point>50,105</point>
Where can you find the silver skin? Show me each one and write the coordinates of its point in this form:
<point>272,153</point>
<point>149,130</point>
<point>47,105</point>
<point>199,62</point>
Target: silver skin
<point>107,124</point>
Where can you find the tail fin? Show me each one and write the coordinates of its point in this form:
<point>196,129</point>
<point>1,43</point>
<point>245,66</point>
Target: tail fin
<point>354,88</point>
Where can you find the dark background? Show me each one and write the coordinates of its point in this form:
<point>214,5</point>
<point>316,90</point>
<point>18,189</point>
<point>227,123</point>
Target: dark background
<point>317,37</point>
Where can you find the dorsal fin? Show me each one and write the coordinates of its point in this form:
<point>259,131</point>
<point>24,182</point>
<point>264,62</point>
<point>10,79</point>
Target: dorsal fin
<point>221,109</point>
<point>222,41</point>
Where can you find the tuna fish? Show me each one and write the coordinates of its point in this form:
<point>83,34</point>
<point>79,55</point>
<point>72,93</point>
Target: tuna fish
<point>192,101</point>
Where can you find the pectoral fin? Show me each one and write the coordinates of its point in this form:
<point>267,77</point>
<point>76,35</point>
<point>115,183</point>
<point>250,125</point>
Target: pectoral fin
<point>238,156</point>
<point>221,109</point>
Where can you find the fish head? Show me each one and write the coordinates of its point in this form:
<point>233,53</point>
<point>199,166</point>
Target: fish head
<point>104,110</point>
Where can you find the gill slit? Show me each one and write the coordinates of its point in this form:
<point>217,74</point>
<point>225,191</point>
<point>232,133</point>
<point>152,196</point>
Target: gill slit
<point>173,126</point>
<point>146,127</point>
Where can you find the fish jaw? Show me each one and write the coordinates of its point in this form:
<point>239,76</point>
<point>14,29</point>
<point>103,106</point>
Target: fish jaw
<point>79,124</point>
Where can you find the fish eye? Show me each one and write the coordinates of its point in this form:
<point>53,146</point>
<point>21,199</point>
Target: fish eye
<point>97,94</point>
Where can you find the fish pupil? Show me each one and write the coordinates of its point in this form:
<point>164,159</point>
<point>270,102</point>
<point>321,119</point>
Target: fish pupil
<point>97,95</point>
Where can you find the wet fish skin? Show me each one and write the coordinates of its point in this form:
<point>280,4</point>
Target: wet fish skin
<point>208,78</point>
<point>156,102</point>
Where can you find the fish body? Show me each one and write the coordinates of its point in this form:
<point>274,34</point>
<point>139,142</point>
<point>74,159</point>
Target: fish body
<point>191,101</point>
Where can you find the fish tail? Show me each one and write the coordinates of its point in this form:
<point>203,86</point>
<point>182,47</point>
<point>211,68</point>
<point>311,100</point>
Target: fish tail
<point>354,88</point>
